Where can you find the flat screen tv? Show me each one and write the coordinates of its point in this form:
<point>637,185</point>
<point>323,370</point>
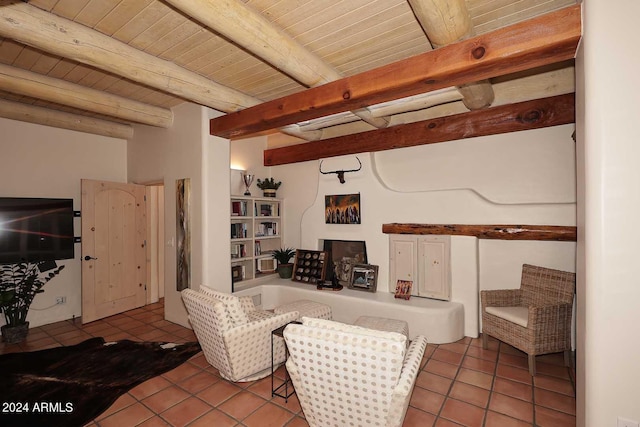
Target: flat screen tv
<point>35,229</point>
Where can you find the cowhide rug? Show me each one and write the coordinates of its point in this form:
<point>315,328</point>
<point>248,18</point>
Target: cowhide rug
<point>70,386</point>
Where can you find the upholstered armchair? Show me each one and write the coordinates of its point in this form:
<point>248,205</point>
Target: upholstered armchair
<point>347,375</point>
<point>535,318</point>
<point>235,337</point>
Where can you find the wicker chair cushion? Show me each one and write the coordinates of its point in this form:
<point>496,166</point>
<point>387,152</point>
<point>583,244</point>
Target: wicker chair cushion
<point>517,315</point>
<point>234,308</point>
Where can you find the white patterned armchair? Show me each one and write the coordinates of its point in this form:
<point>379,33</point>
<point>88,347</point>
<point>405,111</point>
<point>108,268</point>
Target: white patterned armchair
<point>234,336</point>
<point>350,375</point>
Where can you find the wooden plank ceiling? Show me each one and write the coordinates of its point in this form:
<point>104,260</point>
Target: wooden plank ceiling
<point>101,65</point>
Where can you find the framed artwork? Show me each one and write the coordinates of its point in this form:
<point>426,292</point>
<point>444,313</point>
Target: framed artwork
<point>183,233</point>
<point>266,265</point>
<point>342,209</point>
<point>343,254</point>
<point>364,277</point>
<point>403,289</point>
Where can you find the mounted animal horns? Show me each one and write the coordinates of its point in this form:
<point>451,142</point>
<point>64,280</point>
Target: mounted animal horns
<point>341,173</point>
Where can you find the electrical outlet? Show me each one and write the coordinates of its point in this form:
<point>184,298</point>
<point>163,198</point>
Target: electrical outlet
<point>61,300</point>
<point>624,422</point>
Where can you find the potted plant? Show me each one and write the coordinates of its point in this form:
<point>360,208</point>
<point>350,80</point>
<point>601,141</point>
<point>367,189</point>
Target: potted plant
<point>268,186</point>
<point>283,256</point>
<point>19,284</point>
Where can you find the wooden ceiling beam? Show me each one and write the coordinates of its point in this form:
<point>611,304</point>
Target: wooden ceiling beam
<point>547,233</point>
<point>526,115</point>
<point>446,22</point>
<point>34,85</point>
<point>64,120</point>
<point>247,28</point>
<point>540,41</point>
<point>45,31</point>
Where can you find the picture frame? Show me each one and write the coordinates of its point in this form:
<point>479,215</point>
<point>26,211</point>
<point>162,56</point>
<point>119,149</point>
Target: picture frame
<point>342,209</point>
<point>403,289</point>
<point>364,277</point>
<point>236,273</point>
<point>266,265</point>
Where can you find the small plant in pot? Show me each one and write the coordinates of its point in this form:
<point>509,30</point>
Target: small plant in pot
<point>268,186</point>
<point>19,284</point>
<point>283,256</point>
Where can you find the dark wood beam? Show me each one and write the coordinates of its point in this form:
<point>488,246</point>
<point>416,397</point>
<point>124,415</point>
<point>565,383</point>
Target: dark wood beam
<point>557,233</point>
<point>540,41</point>
<point>539,113</point>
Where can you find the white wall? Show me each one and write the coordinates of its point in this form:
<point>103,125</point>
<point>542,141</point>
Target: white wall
<point>187,151</point>
<point>609,207</point>
<point>41,161</point>
<point>518,178</point>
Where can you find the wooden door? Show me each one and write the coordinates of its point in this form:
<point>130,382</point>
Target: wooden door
<point>113,248</point>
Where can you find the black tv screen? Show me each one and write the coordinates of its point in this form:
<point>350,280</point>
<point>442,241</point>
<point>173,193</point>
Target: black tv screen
<point>34,229</point>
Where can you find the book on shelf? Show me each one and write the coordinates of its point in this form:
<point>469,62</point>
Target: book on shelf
<point>267,229</point>
<point>258,248</point>
<point>238,230</point>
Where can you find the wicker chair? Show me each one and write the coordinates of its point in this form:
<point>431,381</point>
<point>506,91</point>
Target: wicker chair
<point>235,337</point>
<point>535,318</point>
<point>346,375</point>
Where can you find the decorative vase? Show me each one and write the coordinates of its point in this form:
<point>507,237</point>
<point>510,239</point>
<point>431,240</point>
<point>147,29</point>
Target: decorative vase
<point>15,334</point>
<point>269,192</point>
<point>285,271</point>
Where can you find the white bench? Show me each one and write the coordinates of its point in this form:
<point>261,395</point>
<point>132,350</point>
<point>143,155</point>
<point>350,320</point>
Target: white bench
<point>439,321</point>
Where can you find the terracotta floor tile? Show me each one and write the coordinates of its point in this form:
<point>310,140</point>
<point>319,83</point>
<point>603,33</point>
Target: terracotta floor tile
<point>513,373</point>
<point>495,419</point>
<point>185,412</point>
<point>486,366</point>
<point>557,401</point>
<point>182,372</point>
<point>149,387</point>
<point>455,347</point>
<point>152,335</point>
<point>427,400</point>
<point>518,361</point>
<point>462,413</point>
<point>553,370</point>
<point>483,354</point>
<point>262,388</point>
<point>292,404</point>
<point>447,356</point>
<point>443,369</point>
<point>120,403</point>
<point>513,388</point>
<point>165,399</point>
<point>512,407</point>
<point>442,422</point>
<point>298,422</point>
<point>219,392</point>
<point>478,379</point>
<point>129,416</point>
<point>470,394</point>
<point>546,417</point>
<point>214,418</point>
<point>552,358</point>
<point>554,384</point>
<point>198,382</point>
<point>418,418</point>
<point>434,382</point>
<point>242,405</point>
<point>268,415</point>
<point>154,422</point>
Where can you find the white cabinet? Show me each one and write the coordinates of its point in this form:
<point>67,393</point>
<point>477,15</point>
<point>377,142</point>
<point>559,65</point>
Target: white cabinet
<point>256,231</point>
<point>425,260</point>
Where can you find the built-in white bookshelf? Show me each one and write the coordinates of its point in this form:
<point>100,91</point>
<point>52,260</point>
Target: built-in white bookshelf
<point>256,231</point>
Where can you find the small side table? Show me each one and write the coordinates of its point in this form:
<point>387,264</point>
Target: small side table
<point>275,391</point>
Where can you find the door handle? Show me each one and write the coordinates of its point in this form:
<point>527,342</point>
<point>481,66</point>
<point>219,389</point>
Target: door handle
<point>88,258</point>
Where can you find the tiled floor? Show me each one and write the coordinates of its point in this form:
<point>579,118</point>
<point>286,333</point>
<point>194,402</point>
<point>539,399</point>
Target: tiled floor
<point>460,384</point>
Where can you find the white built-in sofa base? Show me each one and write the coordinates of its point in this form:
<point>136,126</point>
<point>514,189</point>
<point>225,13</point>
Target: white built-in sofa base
<point>439,321</point>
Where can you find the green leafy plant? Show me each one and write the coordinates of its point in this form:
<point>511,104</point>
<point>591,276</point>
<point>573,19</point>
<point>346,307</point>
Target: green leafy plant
<point>268,184</point>
<point>19,284</point>
<point>284,255</point>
